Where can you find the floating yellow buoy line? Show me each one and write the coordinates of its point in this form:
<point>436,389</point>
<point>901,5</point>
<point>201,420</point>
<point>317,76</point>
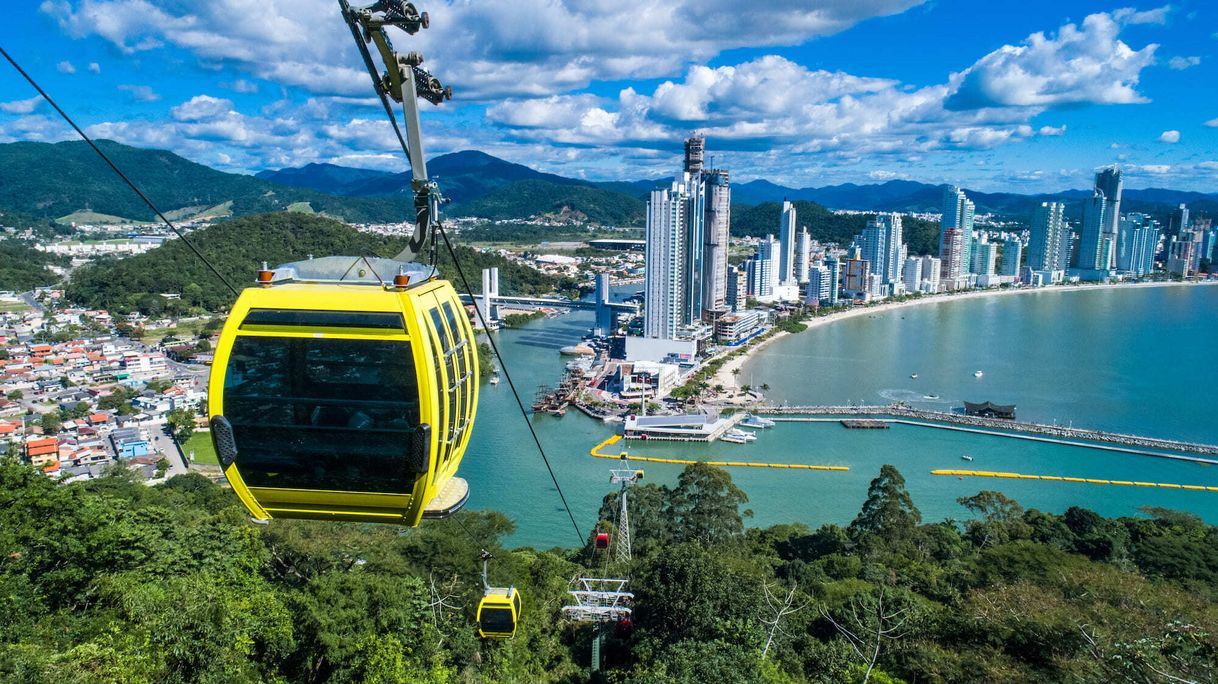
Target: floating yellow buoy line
<point>1055,478</point>
<point>596,451</point>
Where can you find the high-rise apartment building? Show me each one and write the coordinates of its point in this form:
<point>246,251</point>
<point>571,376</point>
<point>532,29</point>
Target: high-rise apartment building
<point>1138,241</point>
<point>1092,243</point>
<point>686,249</point>
<point>1045,243</point>
<point>664,261</point>
<point>820,287</point>
<point>737,287</point>
<point>786,238</point>
<point>715,235</point>
<point>803,255</point>
<point>883,244</point>
<point>932,270</point>
<point>1012,255</point>
<point>911,274</point>
<point>956,235</point>
<point>985,257</point>
<point>1109,182</point>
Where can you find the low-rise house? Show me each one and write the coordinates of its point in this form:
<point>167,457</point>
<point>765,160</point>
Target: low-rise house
<point>129,443</point>
<point>43,451</point>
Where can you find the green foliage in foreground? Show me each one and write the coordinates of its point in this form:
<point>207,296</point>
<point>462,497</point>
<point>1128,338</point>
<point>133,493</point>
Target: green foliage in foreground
<point>238,247</point>
<point>114,581</point>
<point>538,197</point>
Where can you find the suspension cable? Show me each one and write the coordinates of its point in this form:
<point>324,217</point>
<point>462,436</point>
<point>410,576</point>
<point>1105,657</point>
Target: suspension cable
<point>508,376</point>
<point>118,171</point>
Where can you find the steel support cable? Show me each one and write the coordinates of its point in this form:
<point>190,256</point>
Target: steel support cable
<point>508,376</point>
<point>118,171</point>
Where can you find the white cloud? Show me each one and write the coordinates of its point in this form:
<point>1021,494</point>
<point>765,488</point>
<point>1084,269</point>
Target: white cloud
<point>1051,130</point>
<point>242,86</point>
<point>1169,137</point>
<point>201,107</point>
<point>94,67</point>
<point>882,175</point>
<point>65,67</point>
<point>21,106</point>
<point>1131,16</point>
<point>1212,123</point>
<point>1182,63</point>
<point>486,48</point>
<point>1080,65</point>
<point>1209,165</point>
<point>140,93</point>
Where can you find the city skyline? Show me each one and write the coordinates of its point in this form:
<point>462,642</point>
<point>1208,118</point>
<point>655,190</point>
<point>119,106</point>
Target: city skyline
<point>1003,104</point>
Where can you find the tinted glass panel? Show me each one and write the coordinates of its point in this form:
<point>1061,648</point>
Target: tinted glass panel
<point>462,359</point>
<point>497,620</point>
<point>316,413</point>
<point>325,319</point>
<point>441,384</point>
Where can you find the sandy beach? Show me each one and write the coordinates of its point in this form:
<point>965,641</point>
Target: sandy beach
<point>726,378</point>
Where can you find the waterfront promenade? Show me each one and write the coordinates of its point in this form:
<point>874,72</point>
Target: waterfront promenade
<point>1057,434</point>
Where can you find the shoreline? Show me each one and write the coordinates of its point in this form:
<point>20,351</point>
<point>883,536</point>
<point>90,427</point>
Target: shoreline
<point>726,378</point>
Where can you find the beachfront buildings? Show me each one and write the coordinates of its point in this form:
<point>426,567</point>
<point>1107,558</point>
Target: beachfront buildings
<point>803,256</point>
<point>686,251</point>
<point>1137,244</point>
<point>882,245</point>
<point>1012,257</point>
<point>1045,253</point>
<point>1098,248</point>
<point>956,238</point>
<point>786,238</point>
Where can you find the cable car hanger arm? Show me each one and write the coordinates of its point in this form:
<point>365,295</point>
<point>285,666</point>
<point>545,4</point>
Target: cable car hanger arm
<point>404,81</point>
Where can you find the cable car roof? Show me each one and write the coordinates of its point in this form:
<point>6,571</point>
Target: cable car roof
<point>346,270</point>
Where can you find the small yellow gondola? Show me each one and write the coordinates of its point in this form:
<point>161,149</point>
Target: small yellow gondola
<point>498,612</point>
<point>336,394</point>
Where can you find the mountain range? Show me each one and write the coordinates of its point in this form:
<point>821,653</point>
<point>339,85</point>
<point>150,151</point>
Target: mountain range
<point>66,181</point>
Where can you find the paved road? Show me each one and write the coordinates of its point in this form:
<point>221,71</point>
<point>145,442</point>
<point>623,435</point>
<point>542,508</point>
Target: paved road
<point>163,444</point>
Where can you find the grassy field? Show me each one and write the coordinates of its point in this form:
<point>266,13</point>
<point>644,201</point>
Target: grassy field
<point>200,443</point>
<point>188,329</point>
<point>13,306</point>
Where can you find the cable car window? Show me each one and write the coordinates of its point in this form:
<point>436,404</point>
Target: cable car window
<point>497,620</point>
<point>325,319</point>
<point>516,601</point>
<point>443,418</point>
<point>322,413</point>
<point>453,388</point>
<point>462,355</point>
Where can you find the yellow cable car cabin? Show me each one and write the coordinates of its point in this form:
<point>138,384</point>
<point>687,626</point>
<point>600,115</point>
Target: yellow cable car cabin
<point>345,397</point>
<point>498,612</point>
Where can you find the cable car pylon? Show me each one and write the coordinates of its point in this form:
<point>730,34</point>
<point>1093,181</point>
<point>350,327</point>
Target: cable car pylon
<point>625,476</point>
<point>604,600</point>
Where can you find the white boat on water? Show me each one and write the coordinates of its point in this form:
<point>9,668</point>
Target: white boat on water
<point>734,439</point>
<point>977,374</point>
<point>913,376</point>
<point>966,457</point>
<point>753,421</point>
<point>494,378</point>
<point>741,434</point>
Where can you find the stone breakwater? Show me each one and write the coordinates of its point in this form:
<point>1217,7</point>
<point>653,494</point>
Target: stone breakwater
<point>900,413</point>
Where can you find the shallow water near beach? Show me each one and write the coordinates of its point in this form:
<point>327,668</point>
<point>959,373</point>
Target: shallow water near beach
<point>1137,360</point>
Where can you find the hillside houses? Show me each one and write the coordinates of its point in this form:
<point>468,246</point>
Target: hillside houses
<point>74,399</point>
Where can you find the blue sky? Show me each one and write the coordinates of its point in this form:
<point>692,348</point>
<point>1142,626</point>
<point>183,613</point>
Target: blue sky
<point>1025,96</point>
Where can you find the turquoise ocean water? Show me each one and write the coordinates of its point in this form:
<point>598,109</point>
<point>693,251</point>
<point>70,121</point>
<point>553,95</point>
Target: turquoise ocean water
<point>1141,360</point>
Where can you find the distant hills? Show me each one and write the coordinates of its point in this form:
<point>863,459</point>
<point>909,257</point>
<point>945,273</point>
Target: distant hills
<point>66,181</point>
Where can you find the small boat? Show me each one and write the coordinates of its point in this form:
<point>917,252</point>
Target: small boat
<point>494,378</point>
<point>977,374</point>
<point>913,376</point>
<point>965,457</point>
<point>930,396</point>
<point>752,421</point>
<point>729,437</point>
<point>741,434</point>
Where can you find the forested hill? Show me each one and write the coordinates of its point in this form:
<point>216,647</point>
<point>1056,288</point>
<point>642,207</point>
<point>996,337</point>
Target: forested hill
<point>110,580</point>
<point>238,247</point>
<point>55,180</point>
<point>921,236</point>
